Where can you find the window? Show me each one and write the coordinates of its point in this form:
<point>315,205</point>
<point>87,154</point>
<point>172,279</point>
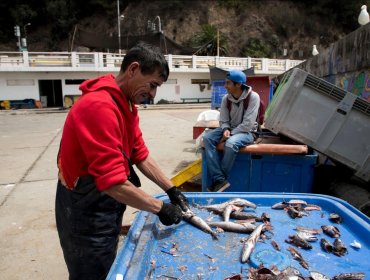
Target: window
<point>171,82</point>
<point>74,81</point>
<point>199,81</point>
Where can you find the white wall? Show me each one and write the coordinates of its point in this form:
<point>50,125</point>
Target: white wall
<point>26,86</point>
<point>184,88</point>
<point>168,91</point>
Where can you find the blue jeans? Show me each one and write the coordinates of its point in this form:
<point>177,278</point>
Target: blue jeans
<point>219,168</point>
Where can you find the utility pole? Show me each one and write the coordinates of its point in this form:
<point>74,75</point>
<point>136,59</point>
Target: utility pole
<point>218,42</point>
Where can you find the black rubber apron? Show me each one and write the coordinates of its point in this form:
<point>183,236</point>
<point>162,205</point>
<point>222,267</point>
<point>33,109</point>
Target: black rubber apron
<point>88,223</point>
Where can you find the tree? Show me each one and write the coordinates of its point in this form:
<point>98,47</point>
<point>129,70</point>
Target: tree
<point>206,41</point>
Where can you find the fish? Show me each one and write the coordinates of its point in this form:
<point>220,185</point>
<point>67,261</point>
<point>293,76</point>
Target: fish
<point>299,242</point>
<point>309,230</point>
<point>335,218</point>
<point>234,227</point>
<point>298,257</point>
<point>280,205</point>
<point>309,237</point>
<point>339,247</point>
<point>331,231</point>
<point>236,202</point>
<point>250,243</point>
<point>198,222</point>
<point>240,215</point>
<point>289,273</point>
<point>265,217</point>
<point>312,207</point>
<point>297,202</point>
<point>318,276</point>
<point>275,245</point>
<point>350,276</point>
<point>326,245</point>
<point>228,210</point>
<point>294,212</point>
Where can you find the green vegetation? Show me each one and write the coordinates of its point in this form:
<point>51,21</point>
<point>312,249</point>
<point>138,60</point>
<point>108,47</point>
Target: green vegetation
<point>206,41</point>
<point>312,19</point>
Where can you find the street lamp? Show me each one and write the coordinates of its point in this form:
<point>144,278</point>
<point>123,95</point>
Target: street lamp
<point>119,27</point>
<point>25,29</point>
<point>152,27</point>
<point>24,39</point>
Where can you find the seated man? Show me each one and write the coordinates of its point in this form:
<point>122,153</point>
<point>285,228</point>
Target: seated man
<point>238,114</point>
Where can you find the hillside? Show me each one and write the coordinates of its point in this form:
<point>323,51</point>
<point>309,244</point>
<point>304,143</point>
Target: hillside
<point>283,29</point>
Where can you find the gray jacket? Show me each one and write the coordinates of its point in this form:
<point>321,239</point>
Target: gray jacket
<point>238,120</point>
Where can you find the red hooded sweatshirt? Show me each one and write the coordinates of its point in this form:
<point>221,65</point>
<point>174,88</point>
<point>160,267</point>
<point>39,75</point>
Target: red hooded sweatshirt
<point>99,127</point>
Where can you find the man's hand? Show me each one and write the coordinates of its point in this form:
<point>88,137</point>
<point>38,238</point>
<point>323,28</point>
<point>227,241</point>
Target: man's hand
<point>169,214</point>
<point>178,198</point>
<point>225,135</point>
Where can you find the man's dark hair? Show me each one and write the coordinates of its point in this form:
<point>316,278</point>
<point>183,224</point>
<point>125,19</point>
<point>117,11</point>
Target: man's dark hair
<point>150,59</point>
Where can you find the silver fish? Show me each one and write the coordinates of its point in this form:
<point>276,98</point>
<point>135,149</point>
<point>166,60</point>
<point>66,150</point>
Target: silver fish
<point>198,222</point>
<point>309,230</point>
<point>280,205</point>
<point>234,227</point>
<point>350,276</point>
<point>312,207</point>
<point>307,236</point>
<point>318,276</point>
<point>290,272</point>
<point>297,202</point>
<point>239,215</point>
<point>250,243</point>
<point>228,210</point>
<point>236,201</point>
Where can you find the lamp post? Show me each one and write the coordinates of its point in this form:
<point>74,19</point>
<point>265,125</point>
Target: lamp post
<point>24,39</point>
<point>119,27</point>
<point>152,27</point>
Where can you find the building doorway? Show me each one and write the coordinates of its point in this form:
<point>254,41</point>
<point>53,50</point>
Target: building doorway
<point>51,94</point>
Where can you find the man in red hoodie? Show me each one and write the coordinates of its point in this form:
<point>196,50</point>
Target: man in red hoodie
<point>101,141</point>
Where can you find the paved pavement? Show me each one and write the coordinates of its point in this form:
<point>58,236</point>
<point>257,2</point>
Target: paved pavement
<point>29,142</point>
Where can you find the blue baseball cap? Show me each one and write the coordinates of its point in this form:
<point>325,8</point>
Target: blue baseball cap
<point>237,76</point>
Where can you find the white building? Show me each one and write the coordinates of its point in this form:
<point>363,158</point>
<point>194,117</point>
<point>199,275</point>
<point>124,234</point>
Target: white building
<point>54,77</point>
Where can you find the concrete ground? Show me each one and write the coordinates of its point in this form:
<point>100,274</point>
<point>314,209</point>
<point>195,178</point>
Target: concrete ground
<point>29,143</point>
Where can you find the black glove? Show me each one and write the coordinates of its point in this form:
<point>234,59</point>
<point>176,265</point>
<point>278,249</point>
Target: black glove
<point>170,214</point>
<point>178,198</point>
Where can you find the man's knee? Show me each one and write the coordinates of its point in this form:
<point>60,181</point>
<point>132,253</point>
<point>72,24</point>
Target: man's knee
<point>231,145</point>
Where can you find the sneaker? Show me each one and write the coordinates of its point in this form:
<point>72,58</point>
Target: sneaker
<point>219,186</point>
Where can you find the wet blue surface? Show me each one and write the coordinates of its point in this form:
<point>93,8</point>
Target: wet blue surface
<point>198,256</point>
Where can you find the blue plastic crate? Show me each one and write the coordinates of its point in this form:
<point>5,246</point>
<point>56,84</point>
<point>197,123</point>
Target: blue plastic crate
<point>218,91</point>
<point>267,173</point>
<point>149,241</point>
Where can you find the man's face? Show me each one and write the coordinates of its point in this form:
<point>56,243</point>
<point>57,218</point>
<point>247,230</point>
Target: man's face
<point>231,87</point>
<point>141,87</point>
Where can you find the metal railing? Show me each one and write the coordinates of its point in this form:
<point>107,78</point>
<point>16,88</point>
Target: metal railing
<point>74,61</point>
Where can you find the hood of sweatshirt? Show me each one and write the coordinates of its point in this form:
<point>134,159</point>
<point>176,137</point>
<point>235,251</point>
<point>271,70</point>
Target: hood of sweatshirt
<point>106,83</point>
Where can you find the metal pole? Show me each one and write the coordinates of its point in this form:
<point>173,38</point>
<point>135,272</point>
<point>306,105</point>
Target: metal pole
<point>218,42</point>
<point>119,28</point>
